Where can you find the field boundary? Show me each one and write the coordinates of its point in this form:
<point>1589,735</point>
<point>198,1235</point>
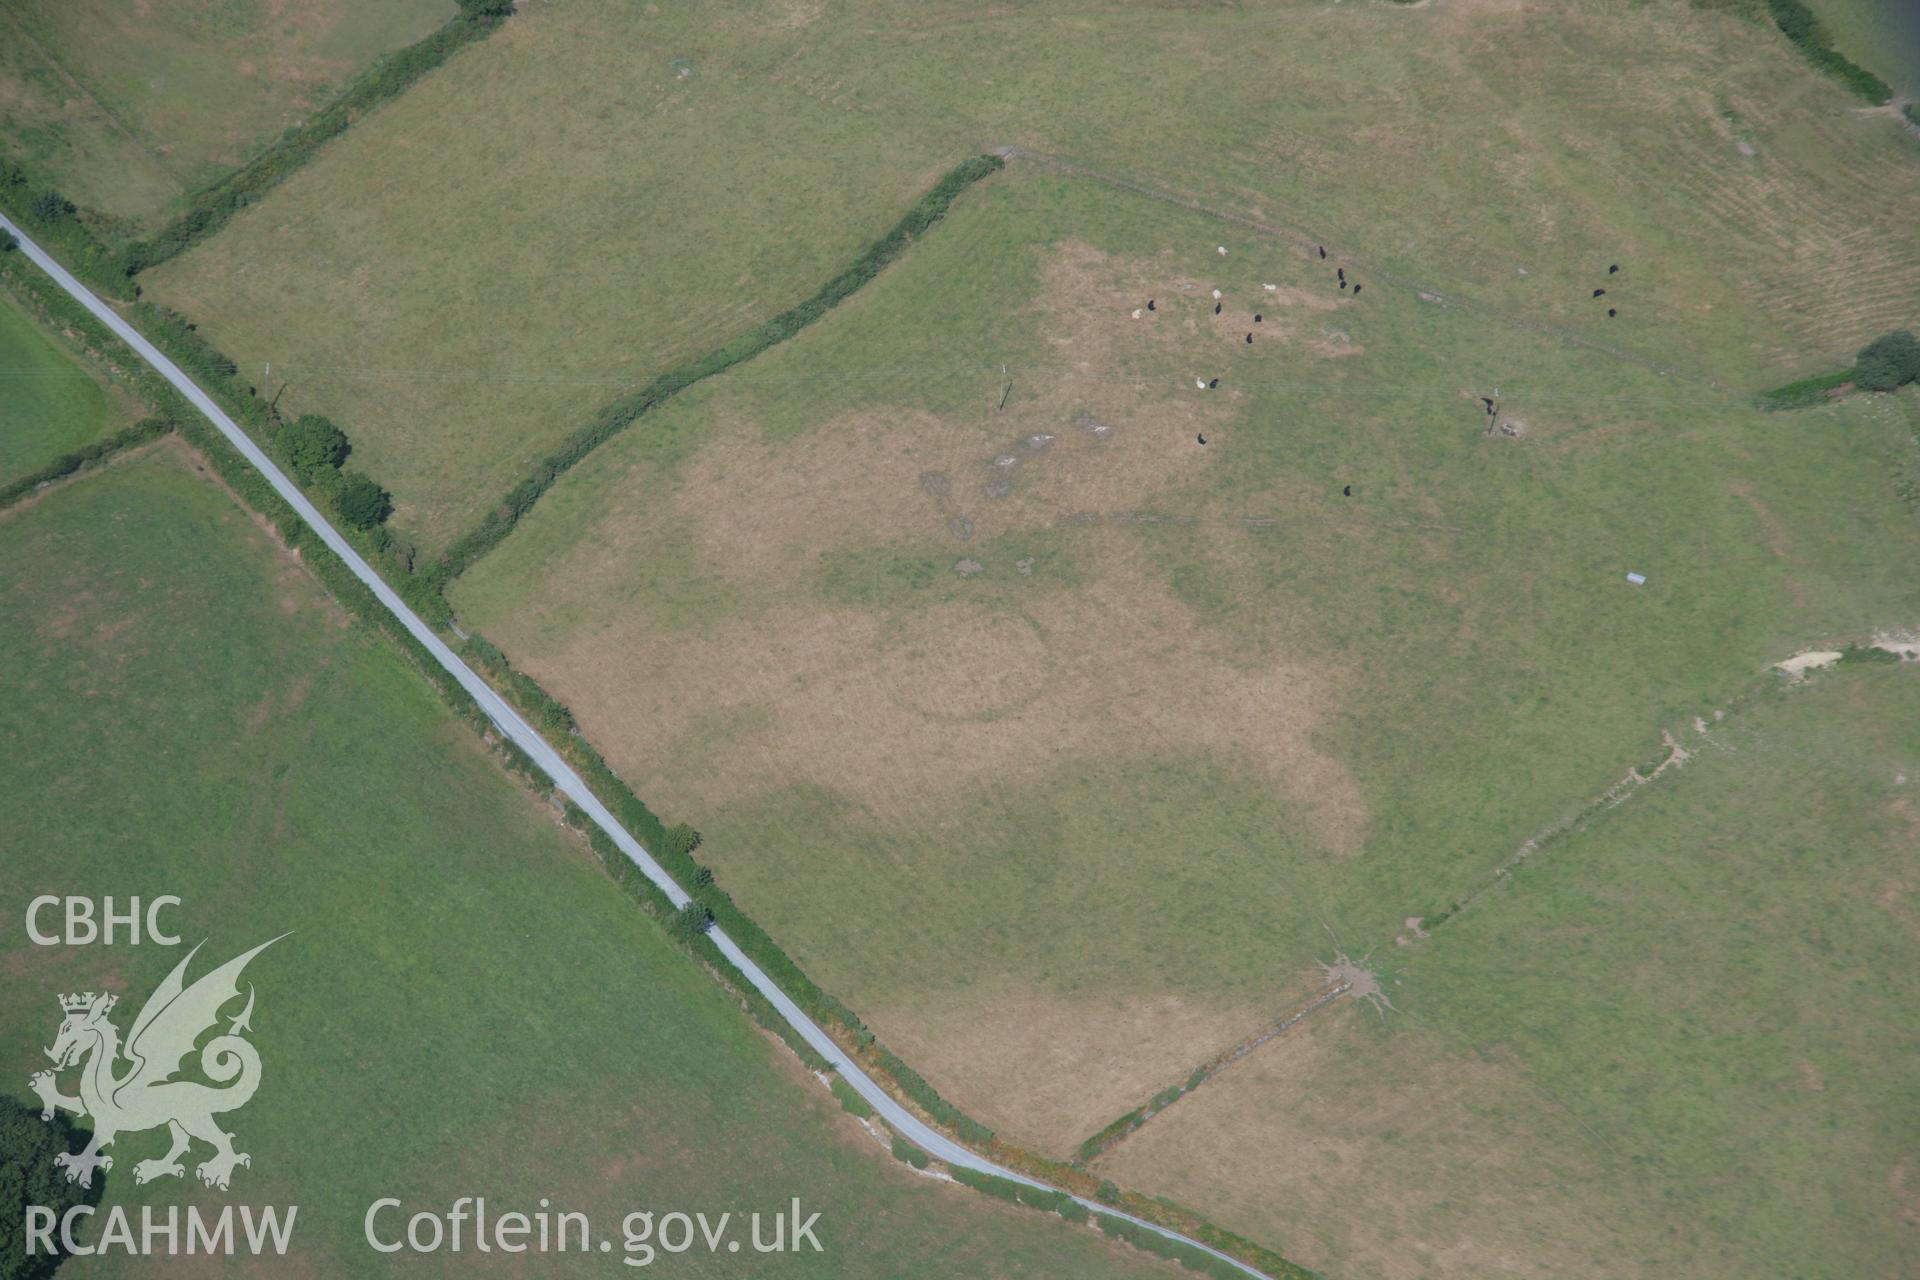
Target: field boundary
<point>178,340</point>
<point>1131,1123</point>
<point>1805,32</point>
<point>89,457</point>
<point>254,477</point>
<point>42,207</point>
<point>623,413</point>
<point>1671,758</point>
<point>214,205</point>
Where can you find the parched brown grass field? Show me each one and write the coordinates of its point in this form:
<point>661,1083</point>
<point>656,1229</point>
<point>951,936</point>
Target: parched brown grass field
<point>1062,745</point>
<point>1103,618</point>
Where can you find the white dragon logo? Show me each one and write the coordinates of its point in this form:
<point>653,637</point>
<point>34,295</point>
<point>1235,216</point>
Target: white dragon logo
<point>147,1096</point>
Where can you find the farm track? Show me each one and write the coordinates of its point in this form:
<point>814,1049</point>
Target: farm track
<point>554,766</point>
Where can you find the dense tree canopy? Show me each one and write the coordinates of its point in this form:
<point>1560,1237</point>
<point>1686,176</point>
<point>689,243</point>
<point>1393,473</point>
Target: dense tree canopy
<point>362,503</point>
<point>313,443</point>
<point>28,1176</point>
<point>1888,362</point>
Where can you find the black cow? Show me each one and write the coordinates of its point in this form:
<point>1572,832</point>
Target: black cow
<point>1150,305</point>
<point>1249,339</point>
<point>1356,291</point>
<point>1213,384</point>
<point>1217,306</point>
<point>1347,492</point>
<point>1611,313</point>
<point>1614,269</point>
<point>1202,437</point>
<point>1256,317</point>
<point>1323,251</point>
<point>1599,293</point>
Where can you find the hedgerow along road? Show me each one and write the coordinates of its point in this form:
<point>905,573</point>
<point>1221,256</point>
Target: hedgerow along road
<point>565,780</point>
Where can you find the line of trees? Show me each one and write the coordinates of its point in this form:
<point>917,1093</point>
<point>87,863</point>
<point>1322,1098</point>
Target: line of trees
<point>316,450</point>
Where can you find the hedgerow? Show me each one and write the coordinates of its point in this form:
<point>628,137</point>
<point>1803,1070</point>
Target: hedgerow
<point>621,414</point>
<point>214,205</point>
<point>1887,363</point>
<point>148,428</point>
<point>622,871</point>
<point>927,1098</point>
<point>1808,34</point>
<point>1111,1134</point>
<point>673,847</point>
<point>59,226</point>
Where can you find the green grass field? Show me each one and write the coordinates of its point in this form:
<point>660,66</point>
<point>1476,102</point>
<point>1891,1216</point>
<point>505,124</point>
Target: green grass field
<point>460,292</point>
<point>126,107</point>
<point>1057,712</point>
<point>458,297</point>
<point>466,1004</point>
<point>1193,701</point>
<point>52,403</point>
<point>1689,1026</point>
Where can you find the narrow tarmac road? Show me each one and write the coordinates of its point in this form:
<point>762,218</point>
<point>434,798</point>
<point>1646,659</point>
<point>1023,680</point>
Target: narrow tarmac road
<point>549,761</point>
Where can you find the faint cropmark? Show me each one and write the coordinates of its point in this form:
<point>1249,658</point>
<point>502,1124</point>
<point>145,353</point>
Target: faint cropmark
<point>146,1094</point>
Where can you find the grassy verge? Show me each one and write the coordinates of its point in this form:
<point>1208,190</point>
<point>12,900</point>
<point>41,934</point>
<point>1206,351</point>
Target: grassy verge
<point>55,222</point>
